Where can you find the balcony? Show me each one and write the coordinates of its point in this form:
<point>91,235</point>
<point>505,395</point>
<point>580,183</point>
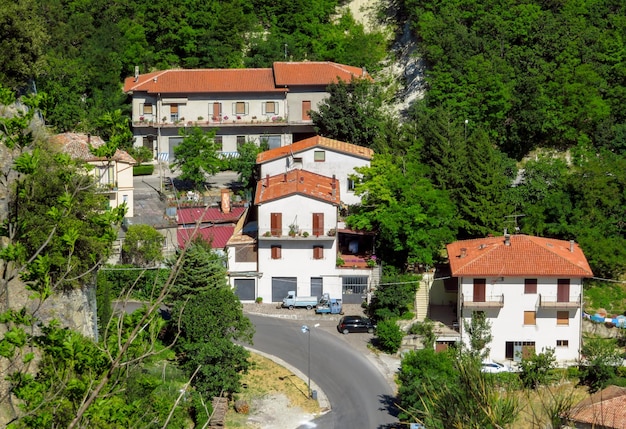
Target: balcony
<point>226,121</point>
<point>296,234</point>
<point>552,301</point>
<point>490,301</point>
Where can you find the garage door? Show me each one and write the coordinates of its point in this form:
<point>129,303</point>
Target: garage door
<point>282,285</point>
<point>244,289</point>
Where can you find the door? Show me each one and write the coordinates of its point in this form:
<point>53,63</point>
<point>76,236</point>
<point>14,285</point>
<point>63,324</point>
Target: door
<point>318,224</point>
<point>562,293</point>
<point>281,286</point>
<point>306,108</point>
<point>276,220</point>
<point>244,289</point>
<point>317,286</point>
<point>217,111</point>
<point>479,290</point>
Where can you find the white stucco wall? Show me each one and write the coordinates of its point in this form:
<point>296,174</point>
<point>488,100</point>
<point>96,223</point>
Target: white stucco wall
<point>507,323</point>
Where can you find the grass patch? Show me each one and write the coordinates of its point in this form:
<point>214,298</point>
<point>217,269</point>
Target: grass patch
<point>267,378</point>
<point>606,295</point>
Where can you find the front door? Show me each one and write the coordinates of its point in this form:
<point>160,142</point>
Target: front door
<point>316,286</point>
<point>479,290</point>
<point>562,293</point>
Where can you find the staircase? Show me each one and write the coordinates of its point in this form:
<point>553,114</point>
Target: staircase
<point>422,297</point>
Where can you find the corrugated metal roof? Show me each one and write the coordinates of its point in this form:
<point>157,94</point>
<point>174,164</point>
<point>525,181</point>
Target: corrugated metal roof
<point>191,215</point>
<point>217,235</point>
<point>524,256</point>
<point>311,142</point>
<point>297,182</point>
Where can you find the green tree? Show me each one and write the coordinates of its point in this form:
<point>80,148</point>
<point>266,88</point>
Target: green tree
<point>351,113</point>
<point>412,218</point>
<point>143,246</point>
<point>245,163</point>
<point>479,331</point>
<point>536,368</point>
<point>197,155</point>
<point>389,335</point>
<point>600,359</point>
<point>394,296</point>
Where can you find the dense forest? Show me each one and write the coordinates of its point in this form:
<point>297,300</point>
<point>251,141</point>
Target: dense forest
<point>521,125</point>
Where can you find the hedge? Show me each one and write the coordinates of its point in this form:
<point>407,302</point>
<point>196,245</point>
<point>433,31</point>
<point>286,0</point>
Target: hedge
<point>143,170</point>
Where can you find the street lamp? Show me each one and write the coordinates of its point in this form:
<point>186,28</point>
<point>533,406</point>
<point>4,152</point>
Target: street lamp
<point>306,330</point>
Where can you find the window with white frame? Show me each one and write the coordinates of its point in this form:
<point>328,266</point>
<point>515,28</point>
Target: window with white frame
<point>270,108</point>
<point>319,156</point>
<point>240,108</point>
<point>174,112</point>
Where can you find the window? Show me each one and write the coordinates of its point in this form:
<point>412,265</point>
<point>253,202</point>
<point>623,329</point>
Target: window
<point>562,343</point>
<point>562,293</point>
<point>318,224</point>
<point>240,140</point>
<point>174,112</point>
<point>245,253</point>
<point>276,222</point>
<point>515,350</point>
<point>218,141</point>
<point>318,252</point>
<point>562,318</point>
<point>530,286</point>
<point>479,290</point>
<point>147,109</point>
<point>350,185</point>
<point>319,156</point>
<point>270,108</point>
<point>276,252</point>
<point>306,109</point>
<point>530,318</point>
<point>240,108</point>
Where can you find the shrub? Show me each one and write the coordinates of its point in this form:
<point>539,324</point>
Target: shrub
<point>536,369</point>
<point>389,336</point>
<point>143,170</point>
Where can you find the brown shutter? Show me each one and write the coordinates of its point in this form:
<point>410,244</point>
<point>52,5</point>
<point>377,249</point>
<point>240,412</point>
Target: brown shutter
<point>562,317</point>
<point>479,290</point>
<point>306,108</point>
<point>530,318</point>
<point>562,293</point>
<point>217,111</point>
<point>530,286</point>
<point>276,252</point>
<point>318,252</point>
<point>318,224</point>
<point>277,224</point>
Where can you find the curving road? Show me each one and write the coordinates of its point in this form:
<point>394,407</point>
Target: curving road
<point>359,395</point>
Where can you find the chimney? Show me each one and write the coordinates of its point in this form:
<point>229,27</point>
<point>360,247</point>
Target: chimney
<point>136,73</point>
<point>571,246</point>
<point>364,72</point>
<point>225,201</point>
<point>267,181</point>
<point>463,252</point>
<point>285,177</point>
<point>507,239</point>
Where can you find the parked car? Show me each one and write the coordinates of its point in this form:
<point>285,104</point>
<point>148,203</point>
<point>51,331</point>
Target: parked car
<point>493,367</point>
<point>349,324</point>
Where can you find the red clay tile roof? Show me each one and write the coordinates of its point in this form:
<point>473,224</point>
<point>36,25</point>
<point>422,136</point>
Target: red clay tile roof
<point>315,141</point>
<point>275,79</point>
<point>314,73</point>
<point>606,408</point>
<point>217,235</point>
<point>76,145</point>
<point>211,214</point>
<point>525,256</point>
<point>300,182</point>
<point>203,81</point>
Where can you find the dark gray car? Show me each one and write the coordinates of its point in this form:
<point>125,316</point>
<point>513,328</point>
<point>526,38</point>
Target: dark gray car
<point>349,324</point>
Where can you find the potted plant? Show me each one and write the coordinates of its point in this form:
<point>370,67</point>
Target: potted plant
<point>305,234</point>
<point>267,234</point>
<point>293,230</point>
<point>332,232</point>
<point>340,260</point>
<point>259,300</point>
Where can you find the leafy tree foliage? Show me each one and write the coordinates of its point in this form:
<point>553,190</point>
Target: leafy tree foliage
<point>351,113</point>
<point>536,368</point>
<point>389,335</point>
<point>479,331</point>
<point>394,297</point>
<point>245,163</point>
<point>143,246</point>
<point>196,156</point>
<point>601,358</point>
<point>412,218</point>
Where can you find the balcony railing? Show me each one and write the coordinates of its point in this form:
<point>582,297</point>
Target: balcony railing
<point>283,234</point>
<point>214,122</point>
<point>490,301</point>
<point>552,301</point>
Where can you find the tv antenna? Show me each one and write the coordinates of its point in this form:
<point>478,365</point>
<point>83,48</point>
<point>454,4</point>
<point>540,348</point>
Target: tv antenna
<point>514,220</point>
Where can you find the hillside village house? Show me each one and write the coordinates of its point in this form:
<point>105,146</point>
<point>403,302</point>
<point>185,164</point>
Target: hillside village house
<point>242,104</point>
<point>530,289</point>
<point>114,176</point>
<point>319,155</point>
<point>295,239</point>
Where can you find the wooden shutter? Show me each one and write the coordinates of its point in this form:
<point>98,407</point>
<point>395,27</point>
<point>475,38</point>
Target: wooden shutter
<point>318,252</point>
<point>562,293</point>
<point>530,318</point>
<point>276,224</point>
<point>217,111</point>
<point>530,286</point>
<point>306,108</point>
<point>479,290</point>
<point>562,318</point>
<point>276,252</point>
<point>318,224</point>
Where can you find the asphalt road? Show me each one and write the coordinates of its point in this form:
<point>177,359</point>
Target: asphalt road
<point>359,395</point>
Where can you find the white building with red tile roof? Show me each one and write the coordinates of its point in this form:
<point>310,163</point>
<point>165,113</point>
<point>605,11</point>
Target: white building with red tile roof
<point>605,409</point>
<point>530,289</point>
<point>295,243</point>
<point>319,155</point>
<point>114,176</point>
<point>241,104</point>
